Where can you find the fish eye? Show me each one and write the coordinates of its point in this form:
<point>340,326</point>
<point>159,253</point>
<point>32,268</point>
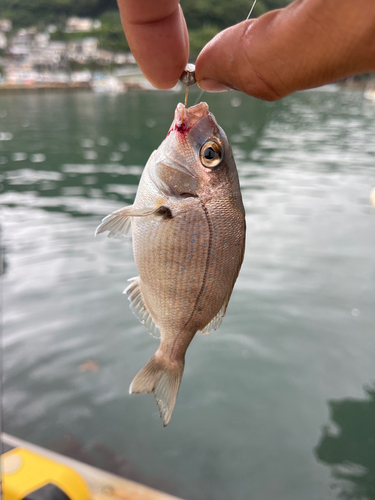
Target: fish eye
<point>210,154</point>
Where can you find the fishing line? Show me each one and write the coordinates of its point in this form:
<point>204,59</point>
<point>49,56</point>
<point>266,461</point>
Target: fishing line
<point>202,91</point>
<point>199,97</point>
<point>187,78</point>
<point>251,10</point>
<point>188,75</point>
<point>186,97</point>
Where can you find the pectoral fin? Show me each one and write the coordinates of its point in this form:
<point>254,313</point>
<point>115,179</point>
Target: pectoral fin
<point>119,223</point>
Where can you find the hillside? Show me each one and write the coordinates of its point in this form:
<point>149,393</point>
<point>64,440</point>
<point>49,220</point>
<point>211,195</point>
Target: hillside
<point>204,18</point>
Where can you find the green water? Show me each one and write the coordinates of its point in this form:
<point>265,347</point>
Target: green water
<point>279,403</point>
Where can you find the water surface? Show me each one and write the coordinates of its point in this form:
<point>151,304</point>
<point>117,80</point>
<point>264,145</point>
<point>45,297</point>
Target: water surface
<point>280,401</point>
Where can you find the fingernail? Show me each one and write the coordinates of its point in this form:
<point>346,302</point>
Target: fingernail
<point>210,85</point>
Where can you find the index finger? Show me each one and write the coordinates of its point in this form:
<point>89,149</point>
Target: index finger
<point>158,38</point>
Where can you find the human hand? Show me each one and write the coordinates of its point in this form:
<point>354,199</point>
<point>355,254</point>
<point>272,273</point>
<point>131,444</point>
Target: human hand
<point>307,44</point>
<point>158,38</point>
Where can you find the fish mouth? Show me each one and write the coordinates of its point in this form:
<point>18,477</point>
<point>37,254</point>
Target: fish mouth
<point>186,118</point>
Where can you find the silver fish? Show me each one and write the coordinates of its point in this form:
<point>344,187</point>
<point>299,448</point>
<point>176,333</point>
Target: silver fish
<point>188,225</point>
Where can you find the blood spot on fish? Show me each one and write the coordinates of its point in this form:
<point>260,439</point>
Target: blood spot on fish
<point>181,128</point>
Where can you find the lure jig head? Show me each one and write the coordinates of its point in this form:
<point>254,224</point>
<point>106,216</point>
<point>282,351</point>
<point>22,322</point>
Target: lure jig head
<point>188,75</point>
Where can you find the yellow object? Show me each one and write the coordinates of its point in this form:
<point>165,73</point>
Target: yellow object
<point>372,197</point>
<point>25,472</point>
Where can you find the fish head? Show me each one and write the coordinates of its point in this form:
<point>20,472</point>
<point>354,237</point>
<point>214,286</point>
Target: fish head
<point>196,158</point>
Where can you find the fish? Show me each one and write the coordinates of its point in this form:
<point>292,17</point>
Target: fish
<point>188,228</point>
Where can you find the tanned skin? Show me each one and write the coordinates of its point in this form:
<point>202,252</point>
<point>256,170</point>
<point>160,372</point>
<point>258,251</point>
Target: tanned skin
<point>305,45</point>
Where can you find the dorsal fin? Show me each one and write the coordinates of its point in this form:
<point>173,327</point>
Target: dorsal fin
<point>139,307</point>
<point>216,321</point>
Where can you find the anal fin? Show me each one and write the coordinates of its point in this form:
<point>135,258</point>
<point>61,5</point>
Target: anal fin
<point>216,321</point>
<point>139,307</point>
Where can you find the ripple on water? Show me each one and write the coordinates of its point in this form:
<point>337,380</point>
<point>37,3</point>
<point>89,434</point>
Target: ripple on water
<point>103,141</point>
<point>72,191</point>
<point>122,169</point>
<point>235,102</point>
<point>89,180</point>
<point>19,156</point>
<point>6,136</point>
<point>115,156</point>
<point>109,168</point>
<point>90,155</point>
<point>150,122</point>
<point>87,143</point>
<point>124,146</point>
<point>125,190</point>
<point>29,176</point>
<point>78,168</point>
<point>37,158</point>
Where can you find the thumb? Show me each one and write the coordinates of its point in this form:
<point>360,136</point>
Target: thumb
<point>238,58</point>
<point>304,45</point>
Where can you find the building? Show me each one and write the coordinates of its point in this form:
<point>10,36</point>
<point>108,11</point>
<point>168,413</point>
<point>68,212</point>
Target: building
<point>41,40</point>
<point>5,25</point>
<point>3,40</point>
<point>104,57</point>
<point>89,46</point>
<point>74,24</point>
<point>20,44</point>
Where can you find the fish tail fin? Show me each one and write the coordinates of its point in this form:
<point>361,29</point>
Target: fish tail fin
<point>162,377</point>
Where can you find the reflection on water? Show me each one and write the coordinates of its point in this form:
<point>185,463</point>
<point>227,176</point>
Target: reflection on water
<point>349,448</point>
<point>73,150</point>
<point>299,326</point>
<point>101,456</point>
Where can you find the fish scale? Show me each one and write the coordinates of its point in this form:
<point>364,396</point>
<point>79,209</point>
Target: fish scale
<point>188,225</point>
<point>159,251</point>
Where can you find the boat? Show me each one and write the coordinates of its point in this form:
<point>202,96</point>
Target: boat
<point>35,473</point>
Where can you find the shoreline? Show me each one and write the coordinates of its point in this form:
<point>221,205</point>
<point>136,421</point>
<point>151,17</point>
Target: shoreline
<point>350,84</point>
<point>43,86</point>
